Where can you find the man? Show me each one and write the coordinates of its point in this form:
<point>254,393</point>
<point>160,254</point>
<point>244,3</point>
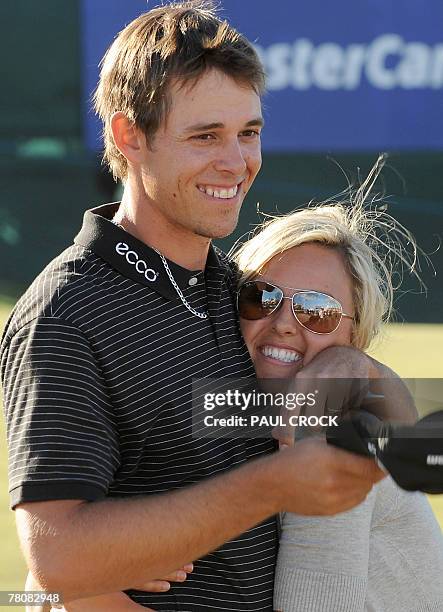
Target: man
<point>110,488</point>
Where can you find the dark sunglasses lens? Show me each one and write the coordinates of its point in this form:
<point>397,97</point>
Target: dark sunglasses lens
<point>257,300</point>
<point>318,312</point>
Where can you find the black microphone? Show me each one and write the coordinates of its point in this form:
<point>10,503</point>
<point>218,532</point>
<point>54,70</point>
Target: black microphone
<point>412,454</point>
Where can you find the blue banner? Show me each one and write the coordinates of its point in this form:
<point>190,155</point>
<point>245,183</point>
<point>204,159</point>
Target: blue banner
<point>357,75</point>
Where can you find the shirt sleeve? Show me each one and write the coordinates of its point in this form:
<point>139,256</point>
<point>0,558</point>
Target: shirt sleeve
<point>323,562</point>
<point>62,440</point>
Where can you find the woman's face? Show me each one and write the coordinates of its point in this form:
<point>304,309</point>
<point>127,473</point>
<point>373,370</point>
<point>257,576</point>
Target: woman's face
<point>309,266</point>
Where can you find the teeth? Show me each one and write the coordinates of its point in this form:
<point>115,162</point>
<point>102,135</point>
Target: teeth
<point>281,354</point>
<point>223,194</point>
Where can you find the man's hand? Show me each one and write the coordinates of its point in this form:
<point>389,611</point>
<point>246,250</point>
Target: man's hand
<point>113,602</point>
<point>345,378</point>
<point>340,376</point>
<point>316,479</point>
<point>343,362</point>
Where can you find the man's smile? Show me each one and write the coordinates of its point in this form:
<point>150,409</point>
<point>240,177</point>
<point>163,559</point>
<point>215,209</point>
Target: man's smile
<point>223,193</point>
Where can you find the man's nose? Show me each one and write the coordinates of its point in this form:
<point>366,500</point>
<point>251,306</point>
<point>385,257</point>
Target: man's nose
<point>232,159</point>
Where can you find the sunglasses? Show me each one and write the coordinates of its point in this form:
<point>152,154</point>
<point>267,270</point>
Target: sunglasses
<point>317,312</point>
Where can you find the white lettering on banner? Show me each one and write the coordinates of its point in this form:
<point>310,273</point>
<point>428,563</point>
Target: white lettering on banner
<point>132,258</point>
<point>434,459</point>
<point>300,74</point>
<point>327,66</point>
<point>383,49</point>
<point>437,68</point>
<point>387,62</point>
<point>413,71</point>
<point>279,65</point>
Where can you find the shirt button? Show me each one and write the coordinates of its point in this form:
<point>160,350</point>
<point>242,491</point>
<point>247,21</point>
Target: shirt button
<point>192,281</point>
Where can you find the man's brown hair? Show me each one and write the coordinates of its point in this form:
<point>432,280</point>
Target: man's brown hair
<point>179,41</point>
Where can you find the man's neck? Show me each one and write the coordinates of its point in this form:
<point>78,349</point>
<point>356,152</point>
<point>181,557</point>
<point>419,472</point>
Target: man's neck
<point>177,244</point>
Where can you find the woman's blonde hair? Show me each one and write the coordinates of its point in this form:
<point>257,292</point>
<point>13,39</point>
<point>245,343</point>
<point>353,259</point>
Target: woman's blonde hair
<point>371,241</point>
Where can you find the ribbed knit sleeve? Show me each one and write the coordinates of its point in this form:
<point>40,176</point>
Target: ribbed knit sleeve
<point>323,562</point>
<point>298,590</point>
<point>385,555</point>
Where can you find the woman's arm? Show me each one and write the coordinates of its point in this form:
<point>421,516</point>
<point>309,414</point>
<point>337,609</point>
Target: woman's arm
<point>323,561</point>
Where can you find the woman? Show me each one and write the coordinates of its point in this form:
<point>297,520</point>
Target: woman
<point>312,280</point>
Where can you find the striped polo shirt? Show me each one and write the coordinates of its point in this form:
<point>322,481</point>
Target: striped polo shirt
<point>97,362</point>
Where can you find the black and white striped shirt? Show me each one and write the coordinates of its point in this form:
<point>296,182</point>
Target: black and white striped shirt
<point>97,364</point>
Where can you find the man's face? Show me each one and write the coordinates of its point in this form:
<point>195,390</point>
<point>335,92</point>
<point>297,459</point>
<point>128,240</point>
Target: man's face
<point>204,157</point>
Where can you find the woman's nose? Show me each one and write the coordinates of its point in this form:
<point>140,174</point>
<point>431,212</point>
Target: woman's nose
<point>284,321</point>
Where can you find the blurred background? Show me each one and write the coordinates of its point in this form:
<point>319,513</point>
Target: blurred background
<point>346,80</point>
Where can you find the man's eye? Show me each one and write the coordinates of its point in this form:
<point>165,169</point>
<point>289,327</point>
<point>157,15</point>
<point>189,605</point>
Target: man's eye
<point>251,133</point>
<point>204,136</point>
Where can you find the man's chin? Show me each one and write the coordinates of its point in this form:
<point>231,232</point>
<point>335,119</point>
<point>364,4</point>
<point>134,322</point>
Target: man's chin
<point>223,225</point>
<point>218,232</point>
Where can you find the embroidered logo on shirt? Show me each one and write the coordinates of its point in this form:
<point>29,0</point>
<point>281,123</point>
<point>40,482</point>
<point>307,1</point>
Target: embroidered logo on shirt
<point>134,260</point>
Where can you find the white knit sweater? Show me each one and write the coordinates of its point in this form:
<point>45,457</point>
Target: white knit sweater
<point>385,555</point>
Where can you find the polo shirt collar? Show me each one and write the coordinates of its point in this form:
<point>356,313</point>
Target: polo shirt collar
<point>133,258</point>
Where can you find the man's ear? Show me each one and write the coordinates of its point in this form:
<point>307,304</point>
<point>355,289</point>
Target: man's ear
<point>127,138</point>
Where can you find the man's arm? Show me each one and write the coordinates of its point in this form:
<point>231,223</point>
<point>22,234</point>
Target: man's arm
<point>110,602</point>
<point>83,549</point>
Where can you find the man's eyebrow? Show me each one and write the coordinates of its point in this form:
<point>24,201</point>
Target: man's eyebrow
<point>204,127</point>
<point>258,121</point>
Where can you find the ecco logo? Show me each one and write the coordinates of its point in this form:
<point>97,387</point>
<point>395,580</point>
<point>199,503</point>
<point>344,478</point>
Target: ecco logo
<point>371,448</point>
<point>434,459</point>
<point>132,258</point>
